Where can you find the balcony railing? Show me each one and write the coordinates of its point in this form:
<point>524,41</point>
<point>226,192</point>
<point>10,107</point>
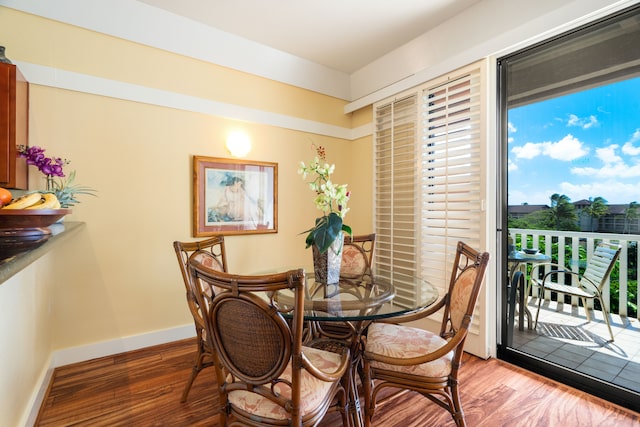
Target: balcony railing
<point>554,243</point>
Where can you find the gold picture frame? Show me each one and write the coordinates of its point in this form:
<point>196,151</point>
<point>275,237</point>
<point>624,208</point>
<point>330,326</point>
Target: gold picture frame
<point>232,196</point>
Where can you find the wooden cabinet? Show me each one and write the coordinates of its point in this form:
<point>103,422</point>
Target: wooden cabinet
<point>14,126</point>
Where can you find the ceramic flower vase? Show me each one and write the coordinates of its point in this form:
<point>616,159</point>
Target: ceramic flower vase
<point>326,266</point>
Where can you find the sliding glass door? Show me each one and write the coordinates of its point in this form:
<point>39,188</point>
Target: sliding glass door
<point>570,173</point>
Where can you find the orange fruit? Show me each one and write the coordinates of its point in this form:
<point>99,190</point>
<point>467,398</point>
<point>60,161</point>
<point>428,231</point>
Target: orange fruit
<point>5,196</point>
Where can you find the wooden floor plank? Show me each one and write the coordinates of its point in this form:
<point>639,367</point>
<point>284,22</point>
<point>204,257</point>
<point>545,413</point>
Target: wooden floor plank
<point>143,388</point>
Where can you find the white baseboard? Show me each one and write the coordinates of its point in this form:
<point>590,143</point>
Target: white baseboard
<point>38,396</point>
<point>106,348</point>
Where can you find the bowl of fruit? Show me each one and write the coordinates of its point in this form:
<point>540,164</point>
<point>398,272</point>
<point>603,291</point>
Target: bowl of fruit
<point>33,210</point>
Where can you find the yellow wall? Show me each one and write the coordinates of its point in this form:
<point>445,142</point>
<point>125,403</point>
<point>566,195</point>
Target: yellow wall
<point>119,276</point>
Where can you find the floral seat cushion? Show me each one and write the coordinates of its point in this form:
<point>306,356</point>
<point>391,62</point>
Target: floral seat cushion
<point>407,342</point>
<point>312,394</point>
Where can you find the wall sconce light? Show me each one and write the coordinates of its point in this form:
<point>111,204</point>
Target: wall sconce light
<point>238,144</point>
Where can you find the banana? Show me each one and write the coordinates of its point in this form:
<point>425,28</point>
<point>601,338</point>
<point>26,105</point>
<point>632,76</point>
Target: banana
<point>48,201</point>
<point>24,202</point>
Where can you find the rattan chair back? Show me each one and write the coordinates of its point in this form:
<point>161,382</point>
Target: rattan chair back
<point>210,252</point>
<point>466,280</point>
<point>261,367</point>
<point>357,255</point>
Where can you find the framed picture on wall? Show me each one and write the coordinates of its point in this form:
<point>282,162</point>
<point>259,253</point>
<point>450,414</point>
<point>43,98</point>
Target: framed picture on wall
<point>233,196</point>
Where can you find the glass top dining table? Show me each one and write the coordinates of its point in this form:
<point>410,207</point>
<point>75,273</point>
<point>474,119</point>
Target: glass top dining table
<point>358,301</point>
<point>380,295</point>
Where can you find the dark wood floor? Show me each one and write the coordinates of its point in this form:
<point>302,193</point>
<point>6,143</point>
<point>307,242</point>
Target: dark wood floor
<point>143,388</point>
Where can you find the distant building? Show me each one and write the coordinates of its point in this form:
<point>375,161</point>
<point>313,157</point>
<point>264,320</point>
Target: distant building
<point>613,222</point>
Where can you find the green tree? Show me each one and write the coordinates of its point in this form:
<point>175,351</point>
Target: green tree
<point>630,213</point>
<point>539,220</point>
<point>564,213</point>
<point>596,210</point>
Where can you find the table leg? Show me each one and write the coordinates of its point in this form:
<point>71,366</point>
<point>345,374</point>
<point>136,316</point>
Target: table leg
<point>354,408</point>
<point>511,309</point>
<point>521,297</point>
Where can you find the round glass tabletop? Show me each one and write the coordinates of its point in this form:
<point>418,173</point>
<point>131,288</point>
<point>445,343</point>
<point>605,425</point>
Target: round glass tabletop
<point>383,294</point>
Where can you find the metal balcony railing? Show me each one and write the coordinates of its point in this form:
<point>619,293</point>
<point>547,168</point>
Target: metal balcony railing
<point>555,243</point>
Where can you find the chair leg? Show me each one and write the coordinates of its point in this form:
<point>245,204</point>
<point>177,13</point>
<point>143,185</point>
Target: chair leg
<point>605,314</point>
<point>187,387</point>
<point>369,402</point>
<point>540,296</point>
<point>458,414</point>
<point>586,309</point>
<point>197,367</point>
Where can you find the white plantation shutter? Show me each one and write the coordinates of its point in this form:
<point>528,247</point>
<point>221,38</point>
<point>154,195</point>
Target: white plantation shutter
<point>450,173</point>
<point>397,216</point>
<point>429,183</point>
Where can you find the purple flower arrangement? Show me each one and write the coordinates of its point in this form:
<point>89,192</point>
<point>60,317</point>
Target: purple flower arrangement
<point>50,166</point>
<point>65,190</point>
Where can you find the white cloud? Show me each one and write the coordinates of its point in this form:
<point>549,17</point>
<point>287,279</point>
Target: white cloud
<point>608,154</point>
<point>629,148</point>
<point>567,149</point>
<point>511,166</point>
<point>573,120</point>
<point>622,194</point>
<point>614,165</point>
<point>593,121</point>
<point>533,197</point>
<point>613,170</point>
<point>511,127</point>
<point>584,123</point>
<point>528,150</point>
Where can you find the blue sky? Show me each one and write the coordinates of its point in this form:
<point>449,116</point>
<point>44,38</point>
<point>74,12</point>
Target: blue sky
<point>583,145</point>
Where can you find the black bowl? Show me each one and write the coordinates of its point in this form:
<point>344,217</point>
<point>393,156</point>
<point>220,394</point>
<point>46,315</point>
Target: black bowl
<point>530,251</point>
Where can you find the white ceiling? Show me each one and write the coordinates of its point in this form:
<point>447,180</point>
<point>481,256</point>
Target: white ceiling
<point>341,34</point>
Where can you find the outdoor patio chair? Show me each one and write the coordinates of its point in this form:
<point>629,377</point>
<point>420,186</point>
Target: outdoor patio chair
<point>587,286</point>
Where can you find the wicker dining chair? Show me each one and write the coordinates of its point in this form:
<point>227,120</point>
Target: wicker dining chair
<point>404,357</point>
<point>211,252</point>
<point>588,286</point>
<point>266,377</point>
<point>357,255</point>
